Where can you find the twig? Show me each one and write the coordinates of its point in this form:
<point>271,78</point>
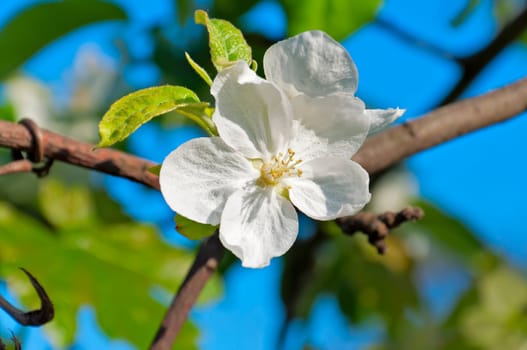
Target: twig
<point>377,226</point>
<point>17,166</point>
<point>474,64</point>
<point>413,40</point>
<point>379,152</point>
<point>31,318</point>
<point>206,262</point>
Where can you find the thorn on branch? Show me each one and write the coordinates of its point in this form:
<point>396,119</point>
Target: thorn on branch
<point>16,343</point>
<point>378,226</point>
<point>35,317</point>
<point>35,157</point>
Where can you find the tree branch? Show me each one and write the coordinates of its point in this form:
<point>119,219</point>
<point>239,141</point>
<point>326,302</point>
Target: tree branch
<point>206,262</point>
<point>443,124</point>
<point>378,152</point>
<point>65,149</point>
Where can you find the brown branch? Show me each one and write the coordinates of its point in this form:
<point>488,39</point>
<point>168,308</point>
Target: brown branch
<point>378,152</point>
<point>78,153</point>
<point>206,262</point>
<point>443,124</point>
<point>377,226</point>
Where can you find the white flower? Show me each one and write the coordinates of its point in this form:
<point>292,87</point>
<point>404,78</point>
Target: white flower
<point>283,141</point>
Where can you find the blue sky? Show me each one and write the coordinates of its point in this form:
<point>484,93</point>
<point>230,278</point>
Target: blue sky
<point>477,178</point>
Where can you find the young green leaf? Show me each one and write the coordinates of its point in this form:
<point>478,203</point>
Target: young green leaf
<point>198,69</point>
<point>227,44</point>
<point>133,110</point>
<point>192,229</point>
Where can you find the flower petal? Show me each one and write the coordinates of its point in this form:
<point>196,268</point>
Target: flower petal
<point>311,63</point>
<point>338,121</point>
<point>381,118</point>
<point>330,188</point>
<point>252,115</point>
<point>258,224</point>
<point>197,178</point>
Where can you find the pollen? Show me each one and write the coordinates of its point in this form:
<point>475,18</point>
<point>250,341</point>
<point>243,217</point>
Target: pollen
<point>280,165</point>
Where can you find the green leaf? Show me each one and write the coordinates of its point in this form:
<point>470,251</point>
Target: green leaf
<point>497,319</point>
<point>155,169</point>
<point>66,207</point>
<point>116,267</point>
<point>338,18</point>
<point>7,113</point>
<point>133,110</point>
<point>198,69</point>
<point>192,229</point>
<point>39,25</point>
<point>227,44</point>
<point>452,235</point>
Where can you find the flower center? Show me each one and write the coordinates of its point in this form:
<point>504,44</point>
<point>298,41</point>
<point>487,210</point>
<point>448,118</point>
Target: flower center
<point>280,165</point>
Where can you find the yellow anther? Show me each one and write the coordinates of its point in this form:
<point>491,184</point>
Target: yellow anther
<point>277,167</point>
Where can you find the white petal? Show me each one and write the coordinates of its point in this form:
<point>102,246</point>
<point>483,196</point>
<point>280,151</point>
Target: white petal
<point>381,118</point>
<point>252,115</point>
<point>258,224</point>
<point>338,121</point>
<point>330,188</point>
<point>197,178</point>
<point>311,63</point>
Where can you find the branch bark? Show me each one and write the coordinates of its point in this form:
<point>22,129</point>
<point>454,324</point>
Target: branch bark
<point>78,153</point>
<point>206,262</point>
<point>378,152</point>
<point>443,124</point>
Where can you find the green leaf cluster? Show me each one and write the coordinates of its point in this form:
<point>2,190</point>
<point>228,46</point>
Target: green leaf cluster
<point>81,259</point>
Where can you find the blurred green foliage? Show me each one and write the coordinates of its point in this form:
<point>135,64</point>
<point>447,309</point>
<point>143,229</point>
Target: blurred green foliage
<point>82,259</point>
<point>40,24</point>
<point>338,18</point>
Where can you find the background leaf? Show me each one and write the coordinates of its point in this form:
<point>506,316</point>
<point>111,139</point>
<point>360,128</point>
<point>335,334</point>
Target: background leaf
<point>40,24</point>
<point>338,18</point>
<point>133,110</point>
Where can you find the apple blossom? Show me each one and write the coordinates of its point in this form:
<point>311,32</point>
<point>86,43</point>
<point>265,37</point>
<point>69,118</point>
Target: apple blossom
<point>284,142</point>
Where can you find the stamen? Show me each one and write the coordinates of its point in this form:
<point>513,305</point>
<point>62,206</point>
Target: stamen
<point>279,166</point>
